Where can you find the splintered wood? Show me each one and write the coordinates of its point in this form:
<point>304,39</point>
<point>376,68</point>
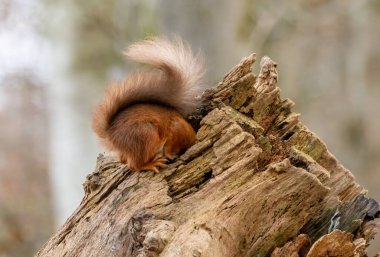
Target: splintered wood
<point>256,183</point>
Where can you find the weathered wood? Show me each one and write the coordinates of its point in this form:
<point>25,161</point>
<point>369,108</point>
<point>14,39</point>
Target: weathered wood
<point>256,179</point>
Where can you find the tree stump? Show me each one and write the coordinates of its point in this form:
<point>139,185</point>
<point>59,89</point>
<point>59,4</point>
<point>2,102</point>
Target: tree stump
<point>256,183</point>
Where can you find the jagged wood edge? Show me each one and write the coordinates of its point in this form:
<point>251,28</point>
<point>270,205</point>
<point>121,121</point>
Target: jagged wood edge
<point>279,145</point>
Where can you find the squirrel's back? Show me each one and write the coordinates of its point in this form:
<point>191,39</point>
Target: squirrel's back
<point>176,82</point>
<point>141,117</point>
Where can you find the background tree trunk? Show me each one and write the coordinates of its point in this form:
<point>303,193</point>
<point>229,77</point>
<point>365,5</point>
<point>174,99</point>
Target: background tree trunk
<point>256,183</point>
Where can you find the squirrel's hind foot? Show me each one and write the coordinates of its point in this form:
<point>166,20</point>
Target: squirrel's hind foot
<point>154,165</point>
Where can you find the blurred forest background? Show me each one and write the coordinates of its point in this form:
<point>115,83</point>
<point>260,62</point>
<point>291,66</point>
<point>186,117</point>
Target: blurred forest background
<point>56,58</point>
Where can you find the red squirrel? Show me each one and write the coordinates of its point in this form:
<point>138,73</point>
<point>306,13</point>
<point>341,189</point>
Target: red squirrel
<point>142,117</point>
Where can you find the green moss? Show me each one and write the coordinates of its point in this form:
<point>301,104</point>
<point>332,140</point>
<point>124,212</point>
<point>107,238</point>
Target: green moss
<point>239,182</point>
<point>309,143</point>
<point>270,242</point>
<point>245,122</point>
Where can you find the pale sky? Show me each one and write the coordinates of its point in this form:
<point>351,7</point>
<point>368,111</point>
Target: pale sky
<point>22,48</point>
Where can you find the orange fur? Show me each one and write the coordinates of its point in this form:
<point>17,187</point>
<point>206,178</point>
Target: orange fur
<point>141,118</point>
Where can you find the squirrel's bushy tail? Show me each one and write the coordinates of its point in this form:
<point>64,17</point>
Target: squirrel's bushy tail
<point>176,84</point>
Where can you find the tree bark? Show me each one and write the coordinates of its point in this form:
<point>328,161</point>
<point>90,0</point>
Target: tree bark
<point>256,183</point>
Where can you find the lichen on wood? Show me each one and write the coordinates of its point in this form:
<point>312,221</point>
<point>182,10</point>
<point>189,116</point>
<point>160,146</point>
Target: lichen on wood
<point>256,183</point>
